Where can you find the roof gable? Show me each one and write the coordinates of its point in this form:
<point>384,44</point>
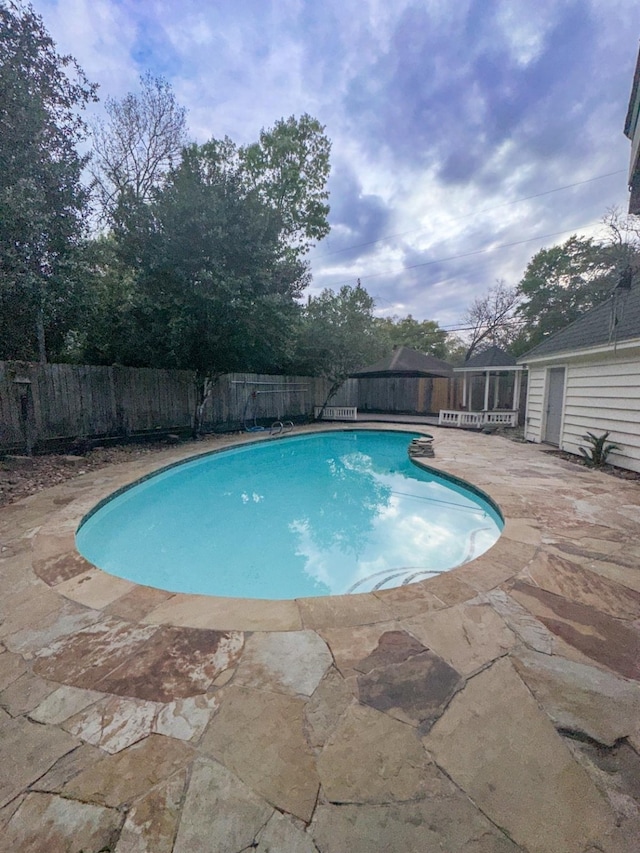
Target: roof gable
<point>491,357</point>
<point>615,320</point>
<point>407,362</point>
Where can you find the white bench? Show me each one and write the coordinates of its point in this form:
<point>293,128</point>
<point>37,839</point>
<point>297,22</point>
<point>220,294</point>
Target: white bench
<point>336,413</point>
<point>448,417</point>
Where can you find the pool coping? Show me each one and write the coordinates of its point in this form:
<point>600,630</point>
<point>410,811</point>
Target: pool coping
<point>57,562</point>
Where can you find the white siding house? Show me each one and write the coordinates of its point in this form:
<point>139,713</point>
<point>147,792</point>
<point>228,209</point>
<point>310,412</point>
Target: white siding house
<point>587,378</point>
<point>632,132</point>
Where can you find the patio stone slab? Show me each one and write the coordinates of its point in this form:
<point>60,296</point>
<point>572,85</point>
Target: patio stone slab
<point>84,658</point>
<point>529,629</point>
<point>393,647</point>
<point>63,703</point>
<point>67,767</point>
<point>226,614</point>
<point>466,637</point>
<point>595,634</point>
<point>624,575</point>
<point>59,567</point>
<point>220,814</point>
<point>450,588</point>
<point>135,605</point>
<point>121,779</point>
<point>522,530</point>
<point>415,691</point>
<point>50,544</point>
<point>113,723</point>
<point>410,599</point>
<point>185,719</point>
<point>292,662</point>
<point>353,644</point>
<point>372,758</point>
<point>63,622</point>
<point>616,772</point>
<point>174,663</point>
<point>516,768</point>
<point>446,824</point>
<point>7,812</point>
<point>328,703</point>
<point>581,698</point>
<point>27,751</point>
<point>30,611</point>
<point>487,571</point>
<point>150,826</point>
<point>575,540</point>
<point>342,611</point>
<point>281,835</point>
<point>574,582</point>
<point>94,588</point>
<point>24,694</point>
<point>46,822</point>
<point>259,736</point>
<point>12,666</point>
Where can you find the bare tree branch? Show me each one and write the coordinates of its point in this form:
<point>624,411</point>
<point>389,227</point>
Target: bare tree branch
<point>138,143</point>
<point>491,318</point>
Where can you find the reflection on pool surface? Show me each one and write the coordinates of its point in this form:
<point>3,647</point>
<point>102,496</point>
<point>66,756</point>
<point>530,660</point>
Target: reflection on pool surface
<point>320,514</point>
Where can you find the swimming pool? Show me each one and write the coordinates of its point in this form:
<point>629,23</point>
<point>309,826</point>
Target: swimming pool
<point>320,514</point>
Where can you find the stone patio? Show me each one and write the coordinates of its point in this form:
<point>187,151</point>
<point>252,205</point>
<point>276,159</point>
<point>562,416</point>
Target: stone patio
<point>494,708</point>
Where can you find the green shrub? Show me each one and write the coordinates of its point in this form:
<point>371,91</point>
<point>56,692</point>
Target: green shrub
<point>595,456</point>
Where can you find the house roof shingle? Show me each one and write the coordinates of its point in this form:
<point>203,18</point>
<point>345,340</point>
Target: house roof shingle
<point>405,362</point>
<point>614,320</point>
<point>491,357</point>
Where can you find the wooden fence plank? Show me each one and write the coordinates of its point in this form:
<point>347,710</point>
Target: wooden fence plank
<point>69,401</point>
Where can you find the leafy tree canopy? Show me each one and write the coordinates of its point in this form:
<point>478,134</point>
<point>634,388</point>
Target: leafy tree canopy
<point>563,282</point>
<point>289,167</point>
<point>423,335</point>
<point>339,333</point>
<point>212,288</point>
<point>42,200</point>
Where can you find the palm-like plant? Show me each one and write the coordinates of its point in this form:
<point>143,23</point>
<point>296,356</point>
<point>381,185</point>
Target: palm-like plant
<point>595,456</point>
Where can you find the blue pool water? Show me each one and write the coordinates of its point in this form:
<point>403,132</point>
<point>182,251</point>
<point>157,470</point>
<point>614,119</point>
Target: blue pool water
<point>322,514</point>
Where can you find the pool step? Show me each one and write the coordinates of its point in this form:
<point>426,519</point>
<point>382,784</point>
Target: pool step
<point>422,447</point>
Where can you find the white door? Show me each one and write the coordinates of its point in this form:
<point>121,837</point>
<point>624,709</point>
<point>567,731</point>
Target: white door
<point>555,396</point>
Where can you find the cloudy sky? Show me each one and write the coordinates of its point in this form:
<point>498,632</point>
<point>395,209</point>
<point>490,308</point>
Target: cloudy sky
<point>466,135</point>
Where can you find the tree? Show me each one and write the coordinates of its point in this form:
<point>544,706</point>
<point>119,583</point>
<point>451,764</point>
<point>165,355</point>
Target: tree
<point>491,318</point>
<point>42,200</point>
<point>338,335</point>
<point>425,336</point>
<point>289,167</point>
<point>108,331</point>
<point>564,281</point>
<point>213,289</point>
<point>136,147</point>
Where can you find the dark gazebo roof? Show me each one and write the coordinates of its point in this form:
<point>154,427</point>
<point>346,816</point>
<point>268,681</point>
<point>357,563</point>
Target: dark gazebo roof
<point>489,359</point>
<point>408,363</point>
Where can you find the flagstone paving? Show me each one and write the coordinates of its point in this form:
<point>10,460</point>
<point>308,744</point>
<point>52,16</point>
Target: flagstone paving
<point>493,709</point>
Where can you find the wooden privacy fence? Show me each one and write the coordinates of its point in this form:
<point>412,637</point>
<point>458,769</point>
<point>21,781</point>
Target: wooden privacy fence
<point>242,399</point>
<point>408,395</point>
<point>41,403</point>
<point>44,404</point>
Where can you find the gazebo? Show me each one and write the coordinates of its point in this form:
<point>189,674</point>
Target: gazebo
<point>406,363</point>
<point>502,384</point>
<point>406,381</point>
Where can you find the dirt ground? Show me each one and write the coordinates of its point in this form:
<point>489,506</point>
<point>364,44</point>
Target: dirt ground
<point>621,473</point>
<point>21,476</point>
